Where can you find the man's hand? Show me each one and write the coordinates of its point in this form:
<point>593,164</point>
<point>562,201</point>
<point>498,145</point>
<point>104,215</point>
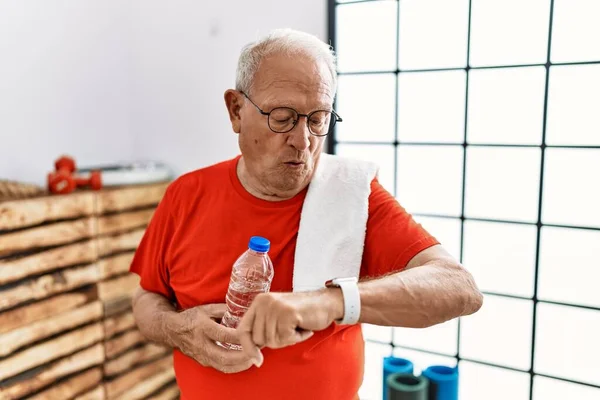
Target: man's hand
<point>277,320</point>
<point>197,333</point>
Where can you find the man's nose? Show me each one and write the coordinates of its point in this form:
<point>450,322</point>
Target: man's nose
<point>299,136</point>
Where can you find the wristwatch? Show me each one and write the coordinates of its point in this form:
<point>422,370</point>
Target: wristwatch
<point>351,295</point>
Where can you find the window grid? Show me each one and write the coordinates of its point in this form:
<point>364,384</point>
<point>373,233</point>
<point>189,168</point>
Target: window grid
<point>331,147</point>
<point>398,70</point>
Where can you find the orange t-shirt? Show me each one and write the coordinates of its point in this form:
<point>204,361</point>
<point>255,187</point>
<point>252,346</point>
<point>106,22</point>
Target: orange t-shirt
<point>199,229</point>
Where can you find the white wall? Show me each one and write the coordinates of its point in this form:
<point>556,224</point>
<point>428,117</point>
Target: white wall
<point>184,58</point>
<point>110,80</point>
<point>64,74</point>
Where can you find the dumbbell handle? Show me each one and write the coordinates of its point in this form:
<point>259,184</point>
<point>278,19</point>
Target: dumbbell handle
<point>93,180</point>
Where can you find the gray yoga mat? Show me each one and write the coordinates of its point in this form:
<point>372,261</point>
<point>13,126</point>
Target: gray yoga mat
<point>407,387</point>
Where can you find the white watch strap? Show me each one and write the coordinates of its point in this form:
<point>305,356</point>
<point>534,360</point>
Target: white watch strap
<point>351,302</point>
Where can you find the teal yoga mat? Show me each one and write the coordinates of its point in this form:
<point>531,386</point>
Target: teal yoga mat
<point>443,382</point>
<point>407,387</point>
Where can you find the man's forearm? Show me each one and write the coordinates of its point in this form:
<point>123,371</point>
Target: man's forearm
<point>420,297</point>
<point>155,317</point>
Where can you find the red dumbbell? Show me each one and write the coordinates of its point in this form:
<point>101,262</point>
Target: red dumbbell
<point>60,181</point>
<point>63,180</point>
<point>65,163</point>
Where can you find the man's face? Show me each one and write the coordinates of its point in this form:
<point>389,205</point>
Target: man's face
<point>283,163</point>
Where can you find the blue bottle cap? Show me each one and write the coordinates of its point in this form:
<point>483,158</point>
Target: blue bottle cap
<point>259,244</point>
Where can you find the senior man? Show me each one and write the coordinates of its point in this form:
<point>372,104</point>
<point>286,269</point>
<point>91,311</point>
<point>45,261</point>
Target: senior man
<point>326,218</point>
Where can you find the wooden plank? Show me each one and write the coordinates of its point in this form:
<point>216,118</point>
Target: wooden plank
<point>23,213</point>
<point>125,382</point>
<point>115,265</point>
<point>171,392</point>
<point>133,357</point>
<point>47,285</point>
<point>125,241</point>
<point>118,324</point>
<point>78,253</point>
<point>47,235</point>
<point>111,224</point>
<point>51,373</point>
<point>122,343</point>
<point>71,387</point>
<point>50,350</point>
<point>148,386</point>
<point>13,340</point>
<point>122,286</point>
<point>130,197</point>
<point>94,394</point>
<point>31,313</point>
<point>117,306</point>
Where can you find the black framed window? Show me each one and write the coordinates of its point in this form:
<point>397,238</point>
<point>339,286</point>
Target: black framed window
<point>483,116</point>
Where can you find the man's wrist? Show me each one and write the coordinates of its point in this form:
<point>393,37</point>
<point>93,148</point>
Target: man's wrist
<point>172,325</point>
<point>335,301</point>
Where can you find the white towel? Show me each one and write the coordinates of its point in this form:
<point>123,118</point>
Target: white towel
<point>333,222</point>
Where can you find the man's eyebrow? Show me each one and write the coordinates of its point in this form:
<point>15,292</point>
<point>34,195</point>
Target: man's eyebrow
<point>277,103</point>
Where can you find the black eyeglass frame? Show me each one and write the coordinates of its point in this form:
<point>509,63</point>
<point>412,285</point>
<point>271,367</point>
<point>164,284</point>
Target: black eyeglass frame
<point>332,121</point>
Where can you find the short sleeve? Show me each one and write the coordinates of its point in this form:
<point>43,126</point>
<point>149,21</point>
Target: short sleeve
<point>393,237</point>
<point>149,261</point>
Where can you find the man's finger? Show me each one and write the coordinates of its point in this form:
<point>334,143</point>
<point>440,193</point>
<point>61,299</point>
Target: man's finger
<point>237,368</point>
<point>302,335</point>
<point>222,333</point>
<point>271,333</point>
<point>258,331</point>
<point>216,310</point>
<point>221,357</point>
<point>245,336</point>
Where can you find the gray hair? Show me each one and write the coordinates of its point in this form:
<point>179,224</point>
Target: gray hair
<point>286,41</point>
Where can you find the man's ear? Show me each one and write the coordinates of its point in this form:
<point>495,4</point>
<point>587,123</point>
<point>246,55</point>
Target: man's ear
<point>234,102</point>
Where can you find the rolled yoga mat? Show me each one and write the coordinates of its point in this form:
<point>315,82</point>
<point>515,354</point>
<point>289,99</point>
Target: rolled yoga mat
<point>407,387</point>
<point>394,365</point>
<point>443,382</point>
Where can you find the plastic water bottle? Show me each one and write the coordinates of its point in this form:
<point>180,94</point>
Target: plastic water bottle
<point>251,275</point>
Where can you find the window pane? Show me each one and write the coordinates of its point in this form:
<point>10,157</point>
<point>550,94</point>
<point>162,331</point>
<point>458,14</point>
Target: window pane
<point>576,31</point>
<point>431,107</point>
<point>375,332</point>
<point>572,187</point>
<point>486,335</point>
<point>479,382</point>
<point>382,155</point>
<point>445,230</point>
<point>497,253</point>
<point>573,104</point>
<point>566,343</point>
<point>441,338</point>
<point>366,36</point>
<point>373,380</point>
<point>423,360</point>
<point>506,105</point>
<point>425,187</point>
<point>580,284</point>
<point>509,32</point>
<point>367,103</point>
<point>547,389</point>
<point>433,34</point>
<point>503,183</point>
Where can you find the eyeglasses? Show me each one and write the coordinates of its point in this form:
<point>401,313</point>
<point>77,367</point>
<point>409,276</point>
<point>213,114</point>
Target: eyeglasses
<point>284,119</point>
